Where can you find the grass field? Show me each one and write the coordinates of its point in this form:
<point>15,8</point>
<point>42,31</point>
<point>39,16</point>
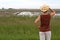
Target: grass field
<point>23,28</point>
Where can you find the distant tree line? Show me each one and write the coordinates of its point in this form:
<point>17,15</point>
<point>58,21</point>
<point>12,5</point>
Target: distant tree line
<point>11,10</point>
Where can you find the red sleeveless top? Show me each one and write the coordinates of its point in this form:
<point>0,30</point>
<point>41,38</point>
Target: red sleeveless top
<point>45,23</point>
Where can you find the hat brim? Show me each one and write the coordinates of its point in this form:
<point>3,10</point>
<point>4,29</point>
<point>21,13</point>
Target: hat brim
<point>44,8</point>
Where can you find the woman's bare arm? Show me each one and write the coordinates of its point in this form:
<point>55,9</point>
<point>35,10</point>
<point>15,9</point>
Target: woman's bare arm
<point>37,19</point>
<point>52,12</point>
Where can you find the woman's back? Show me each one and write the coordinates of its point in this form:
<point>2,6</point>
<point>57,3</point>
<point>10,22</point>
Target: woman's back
<point>45,22</point>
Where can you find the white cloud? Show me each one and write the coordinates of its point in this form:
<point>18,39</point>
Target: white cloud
<point>28,3</point>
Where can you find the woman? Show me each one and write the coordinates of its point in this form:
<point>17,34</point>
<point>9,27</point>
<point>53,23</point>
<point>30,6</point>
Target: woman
<point>44,18</point>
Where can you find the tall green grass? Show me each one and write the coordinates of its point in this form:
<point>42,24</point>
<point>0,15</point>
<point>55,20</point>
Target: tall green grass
<point>23,28</point>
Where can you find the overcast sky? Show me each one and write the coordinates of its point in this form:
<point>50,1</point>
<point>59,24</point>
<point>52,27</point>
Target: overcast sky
<point>29,3</point>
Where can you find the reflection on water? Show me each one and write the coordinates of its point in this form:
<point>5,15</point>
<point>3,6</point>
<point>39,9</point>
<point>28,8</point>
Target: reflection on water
<point>33,14</point>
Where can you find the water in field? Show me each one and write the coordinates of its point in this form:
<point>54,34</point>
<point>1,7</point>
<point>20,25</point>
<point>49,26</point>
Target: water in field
<point>31,13</point>
<point>24,14</point>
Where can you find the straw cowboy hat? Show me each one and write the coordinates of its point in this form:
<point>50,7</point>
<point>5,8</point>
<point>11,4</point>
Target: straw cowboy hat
<point>44,8</point>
